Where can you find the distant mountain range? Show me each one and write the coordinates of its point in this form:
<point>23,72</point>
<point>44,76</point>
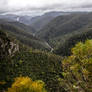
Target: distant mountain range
<point>37,22</point>
<point>9,17</point>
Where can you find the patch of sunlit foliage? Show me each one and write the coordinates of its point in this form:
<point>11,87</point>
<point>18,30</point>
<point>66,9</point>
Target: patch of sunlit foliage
<point>77,68</point>
<point>25,84</point>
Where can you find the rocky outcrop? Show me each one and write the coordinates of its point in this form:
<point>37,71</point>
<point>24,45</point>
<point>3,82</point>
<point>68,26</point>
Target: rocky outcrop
<point>8,47</point>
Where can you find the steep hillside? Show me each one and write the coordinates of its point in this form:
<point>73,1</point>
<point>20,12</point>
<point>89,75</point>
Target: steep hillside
<point>25,19</point>
<point>61,27</point>
<point>23,34</point>
<point>68,41</point>
<point>27,62</point>
<point>39,22</point>
<point>19,25</point>
<point>65,24</point>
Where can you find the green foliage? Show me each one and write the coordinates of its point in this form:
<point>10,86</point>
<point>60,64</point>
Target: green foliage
<point>39,22</point>
<point>77,68</point>
<point>35,64</point>
<point>39,65</point>
<point>64,32</point>
<point>25,84</point>
<point>65,24</point>
<point>23,33</point>
<point>70,40</point>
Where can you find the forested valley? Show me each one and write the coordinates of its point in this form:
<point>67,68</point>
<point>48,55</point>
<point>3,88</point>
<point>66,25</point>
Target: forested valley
<point>57,57</point>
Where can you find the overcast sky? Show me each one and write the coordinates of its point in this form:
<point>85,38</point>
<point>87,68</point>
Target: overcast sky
<point>39,6</point>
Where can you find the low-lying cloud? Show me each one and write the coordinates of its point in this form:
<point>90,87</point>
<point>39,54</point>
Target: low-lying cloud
<point>22,6</point>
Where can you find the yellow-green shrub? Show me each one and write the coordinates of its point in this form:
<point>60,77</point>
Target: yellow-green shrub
<point>77,68</point>
<point>25,84</point>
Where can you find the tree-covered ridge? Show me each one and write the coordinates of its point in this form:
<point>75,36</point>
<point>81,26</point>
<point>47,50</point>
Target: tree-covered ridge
<point>69,41</point>
<point>62,28</point>
<point>77,69</point>
<point>32,63</point>
<point>65,24</point>
<point>23,33</point>
<point>39,22</point>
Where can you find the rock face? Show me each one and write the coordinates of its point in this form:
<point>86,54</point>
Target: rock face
<point>8,47</point>
<point>13,48</point>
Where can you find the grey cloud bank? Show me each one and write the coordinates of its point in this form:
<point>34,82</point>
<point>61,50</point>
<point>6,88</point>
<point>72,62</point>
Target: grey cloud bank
<point>39,6</point>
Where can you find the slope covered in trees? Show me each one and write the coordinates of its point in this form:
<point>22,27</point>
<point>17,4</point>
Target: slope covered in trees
<point>24,34</point>
<point>68,41</point>
<point>27,62</point>
<point>72,75</point>
<point>19,25</point>
<point>64,25</point>
<point>39,22</point>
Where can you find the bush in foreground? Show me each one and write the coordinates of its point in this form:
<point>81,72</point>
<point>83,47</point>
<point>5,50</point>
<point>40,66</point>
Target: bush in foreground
<point>25,84</point>
<point>77,69</point>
